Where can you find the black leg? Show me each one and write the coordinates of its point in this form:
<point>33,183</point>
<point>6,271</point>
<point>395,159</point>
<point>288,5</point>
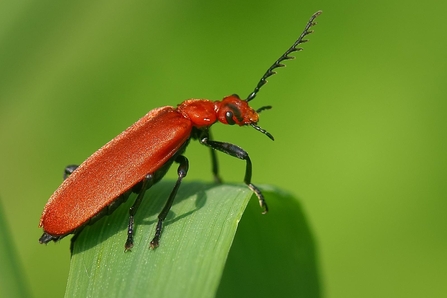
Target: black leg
<point>147,182</point>
<point>182,171</point>
<point>45,238</point>
<point>215,166</point>
<point>240,153</point>
<point>69,170</point>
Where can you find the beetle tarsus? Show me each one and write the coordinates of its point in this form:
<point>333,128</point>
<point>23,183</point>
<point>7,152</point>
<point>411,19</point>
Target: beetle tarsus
<point>260,196</point>
<point>129,242</point>
<point>156,240</point>
<point>240,153</point>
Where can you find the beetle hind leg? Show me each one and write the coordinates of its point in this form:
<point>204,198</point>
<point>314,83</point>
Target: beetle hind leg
<point>69,170</point>
<point>45,238</point>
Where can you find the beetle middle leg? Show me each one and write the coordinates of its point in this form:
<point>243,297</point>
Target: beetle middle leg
<point>146,183</point>
<point>240,153</point>
<point>181,171</point>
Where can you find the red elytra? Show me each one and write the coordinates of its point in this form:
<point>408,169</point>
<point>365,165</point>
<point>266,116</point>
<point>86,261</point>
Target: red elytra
<point>117,166</point>
<point>141,155</point>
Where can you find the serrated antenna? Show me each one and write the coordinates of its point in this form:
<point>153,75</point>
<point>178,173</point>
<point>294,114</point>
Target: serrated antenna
<point>285,56</point>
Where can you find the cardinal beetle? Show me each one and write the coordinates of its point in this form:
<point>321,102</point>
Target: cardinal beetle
<point>141,155</point>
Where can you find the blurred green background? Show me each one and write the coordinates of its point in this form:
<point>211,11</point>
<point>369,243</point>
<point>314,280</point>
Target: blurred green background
<point>359,118</point>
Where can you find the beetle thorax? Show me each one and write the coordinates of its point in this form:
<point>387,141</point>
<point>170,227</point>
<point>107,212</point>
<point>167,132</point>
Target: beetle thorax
<point>201,112</point>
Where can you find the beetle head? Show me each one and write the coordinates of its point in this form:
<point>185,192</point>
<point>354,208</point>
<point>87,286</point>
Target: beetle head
<point>233,110</point>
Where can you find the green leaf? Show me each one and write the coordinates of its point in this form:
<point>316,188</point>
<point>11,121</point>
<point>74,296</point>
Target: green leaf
<point>273,255</point>
<point>197,237</point>
<point>13,282</point>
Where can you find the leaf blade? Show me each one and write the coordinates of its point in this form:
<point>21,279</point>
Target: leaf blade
<point>275,254</point>
<point>192,258</point>
<point>195,242</point>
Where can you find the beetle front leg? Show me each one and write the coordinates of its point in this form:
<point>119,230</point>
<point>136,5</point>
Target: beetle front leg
<point>240,153</point>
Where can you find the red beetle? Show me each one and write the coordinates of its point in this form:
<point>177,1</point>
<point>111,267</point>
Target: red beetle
<point>141,155</point>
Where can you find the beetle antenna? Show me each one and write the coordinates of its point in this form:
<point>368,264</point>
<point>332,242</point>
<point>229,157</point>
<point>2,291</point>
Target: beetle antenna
<point>263,109</point>
<point>286,56</point>
<point>262,130</point>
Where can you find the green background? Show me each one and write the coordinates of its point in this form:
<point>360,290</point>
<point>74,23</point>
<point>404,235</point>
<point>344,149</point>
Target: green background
<point>359,119</point>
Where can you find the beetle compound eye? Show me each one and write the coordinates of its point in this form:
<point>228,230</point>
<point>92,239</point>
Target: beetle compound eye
<point>229,118</point>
